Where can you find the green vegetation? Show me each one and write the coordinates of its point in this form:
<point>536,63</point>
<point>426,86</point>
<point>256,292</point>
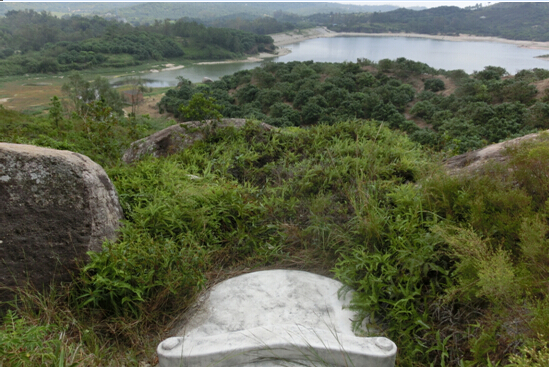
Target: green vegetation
<point>454,269</point>
<point>143,13</point>
<point>487,107</point>
<point>518,21</point>
<point>32,42</point>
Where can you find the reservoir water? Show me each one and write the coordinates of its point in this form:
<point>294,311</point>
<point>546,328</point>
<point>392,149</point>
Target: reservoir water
<point>467,55</point>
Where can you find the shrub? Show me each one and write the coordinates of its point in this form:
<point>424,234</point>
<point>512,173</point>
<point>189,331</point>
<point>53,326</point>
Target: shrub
<point>200,108</point>
<point>310,113</point>
<point>423,109</point>
<point>301,98</point>
<point>434,85</point>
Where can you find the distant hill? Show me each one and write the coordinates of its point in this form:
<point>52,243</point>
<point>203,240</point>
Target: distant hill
<point>207,10</point>
<point>82,8</point>
<point>147,12</point>
<point>521,21</point>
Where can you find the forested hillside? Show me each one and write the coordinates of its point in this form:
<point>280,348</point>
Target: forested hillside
<point>486,107</point>
<point>144,12</point>
<point>32,42</point>
<point>65,8</point>
<point>520,21</point>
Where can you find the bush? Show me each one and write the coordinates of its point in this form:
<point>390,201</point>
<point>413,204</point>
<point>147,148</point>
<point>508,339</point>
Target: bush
<point>434,85</point>
<point>310,113</point>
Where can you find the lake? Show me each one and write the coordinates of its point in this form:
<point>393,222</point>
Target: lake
<point>468,55</point>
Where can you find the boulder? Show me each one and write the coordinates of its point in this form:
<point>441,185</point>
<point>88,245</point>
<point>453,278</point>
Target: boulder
<point>475,160</point>
<point>207,80</point>
<point>176,138</point>
<point>54,207</point>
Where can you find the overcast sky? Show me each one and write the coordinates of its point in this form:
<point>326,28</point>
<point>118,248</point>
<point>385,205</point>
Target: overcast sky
<point>427,4</point>
<point>404,3</point>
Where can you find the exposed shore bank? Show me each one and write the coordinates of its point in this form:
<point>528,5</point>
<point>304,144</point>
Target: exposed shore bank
<point>281,39</point>
<point>262,56</point>
<point>286,38</point>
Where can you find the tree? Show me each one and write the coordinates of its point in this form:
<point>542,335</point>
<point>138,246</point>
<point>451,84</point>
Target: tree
<point>56,111</point>
<point>434,85</point>
<point>81,92</point>
<point>247,94</point>
<point>423,109</point>
<point>201,108</point>
<point>136,92</point>
<point>78,91</point>
<point>385,65</point>
<point>99,127</point>
<point>310,113</point>
<point>282,110</point>
<point>490,73</point>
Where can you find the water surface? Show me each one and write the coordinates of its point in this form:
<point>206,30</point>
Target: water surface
<point>449,55</point>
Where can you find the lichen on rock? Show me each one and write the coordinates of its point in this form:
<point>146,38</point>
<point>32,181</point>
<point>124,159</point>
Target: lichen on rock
<point>55,206</point>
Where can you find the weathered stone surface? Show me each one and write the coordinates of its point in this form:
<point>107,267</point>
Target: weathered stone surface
<point>175,138</point>
<point>274,318</point>
<point>54,207</point>
<point>471,162</point>
<point>207,80</point>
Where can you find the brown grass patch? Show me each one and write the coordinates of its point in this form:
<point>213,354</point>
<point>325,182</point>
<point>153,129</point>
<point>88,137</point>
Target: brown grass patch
<point>148,107</point>
<point>370,68</point>
<point>32,92</point>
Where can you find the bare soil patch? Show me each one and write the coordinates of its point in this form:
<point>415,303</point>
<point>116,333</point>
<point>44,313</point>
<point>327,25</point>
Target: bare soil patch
<point>419,85</point>
<point>450,86</point>
<point>542,86</point>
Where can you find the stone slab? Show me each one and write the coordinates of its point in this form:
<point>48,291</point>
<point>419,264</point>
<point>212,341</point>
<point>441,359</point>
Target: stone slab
<point>271,318</point>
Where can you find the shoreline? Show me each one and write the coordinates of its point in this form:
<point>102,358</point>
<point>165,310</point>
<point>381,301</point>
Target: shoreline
<point>262,56</point>
<point>287,38</point>
<point>166,67</point>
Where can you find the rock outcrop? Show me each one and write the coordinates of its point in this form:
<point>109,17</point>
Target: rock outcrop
<point>176,138</point>
<point>474,161</point>
<point>54,207</point>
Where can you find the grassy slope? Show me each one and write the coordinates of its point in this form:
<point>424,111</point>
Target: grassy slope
<point>354,198</point>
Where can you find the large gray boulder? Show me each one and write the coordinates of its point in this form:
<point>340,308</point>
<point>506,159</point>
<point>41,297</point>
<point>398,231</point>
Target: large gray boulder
<point>176,138</point>
<point>54,207</point>
<point>474,161</point>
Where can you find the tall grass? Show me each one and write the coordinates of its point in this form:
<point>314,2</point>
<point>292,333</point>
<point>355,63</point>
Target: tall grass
<point>453,269</point>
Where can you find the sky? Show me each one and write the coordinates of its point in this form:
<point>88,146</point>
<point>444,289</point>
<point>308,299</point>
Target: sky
<point>426,4</point>
<point>403,3</point>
